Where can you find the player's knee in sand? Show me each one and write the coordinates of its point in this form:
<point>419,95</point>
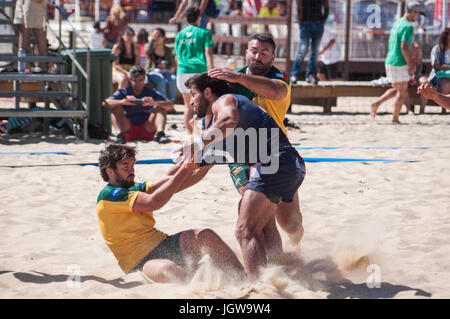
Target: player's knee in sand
<point>163,270</point>
<point>196,243</point>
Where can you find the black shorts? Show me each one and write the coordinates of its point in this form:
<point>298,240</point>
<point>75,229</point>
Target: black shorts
<point>331,71</point>
<point>169,248</point>
<point>282,185</point>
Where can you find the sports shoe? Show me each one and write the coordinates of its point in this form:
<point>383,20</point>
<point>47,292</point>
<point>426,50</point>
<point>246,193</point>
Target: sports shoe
<point>161,138</point>
<point>311,79</point>
<point>121,139</point>
<point>293,79</point>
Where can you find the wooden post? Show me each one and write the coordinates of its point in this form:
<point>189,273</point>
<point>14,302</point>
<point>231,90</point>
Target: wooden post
<point>288,64</point>
<point>348,23</point>
<point>97,10</point>
<point>57,2</point>
<point>444,14</point>
<point>328,103</point>
<point>77,12</point>
<point>402,7</point>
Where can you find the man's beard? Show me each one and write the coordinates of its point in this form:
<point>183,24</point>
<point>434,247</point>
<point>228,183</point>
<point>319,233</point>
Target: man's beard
<point>124,183</point>
<point>201,108</point>
<point>259,68</point>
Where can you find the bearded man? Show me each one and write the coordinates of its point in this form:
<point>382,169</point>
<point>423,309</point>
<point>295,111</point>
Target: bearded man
<point>270,88</point>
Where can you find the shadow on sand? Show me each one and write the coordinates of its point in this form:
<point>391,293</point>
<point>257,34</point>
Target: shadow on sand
<point>324,275</point>
<point>37,277</point>
<point>317,275</point>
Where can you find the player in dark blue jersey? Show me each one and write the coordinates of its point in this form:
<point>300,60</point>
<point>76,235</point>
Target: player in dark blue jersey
<point>239,131</point>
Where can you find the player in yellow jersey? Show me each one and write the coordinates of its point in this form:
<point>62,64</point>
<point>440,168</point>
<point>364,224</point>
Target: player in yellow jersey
<point>125,217</point>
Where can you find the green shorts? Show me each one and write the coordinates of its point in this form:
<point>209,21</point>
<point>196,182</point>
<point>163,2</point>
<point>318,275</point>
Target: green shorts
<point>169,248</point>
<point>239,174</point>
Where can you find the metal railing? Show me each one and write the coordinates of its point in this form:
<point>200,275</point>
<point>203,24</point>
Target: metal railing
<point>45,81</point>
<point>73,56</point>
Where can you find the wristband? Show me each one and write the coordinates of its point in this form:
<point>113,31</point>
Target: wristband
<point>198,141</point>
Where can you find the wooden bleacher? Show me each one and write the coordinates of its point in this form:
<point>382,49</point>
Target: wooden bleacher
<point>326,93</point>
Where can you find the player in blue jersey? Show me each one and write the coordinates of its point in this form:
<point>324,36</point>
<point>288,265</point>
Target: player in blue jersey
<point>239,131</point>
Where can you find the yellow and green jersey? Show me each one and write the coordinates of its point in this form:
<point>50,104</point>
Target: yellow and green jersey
<point>276,108</point>
<point>129,235</point>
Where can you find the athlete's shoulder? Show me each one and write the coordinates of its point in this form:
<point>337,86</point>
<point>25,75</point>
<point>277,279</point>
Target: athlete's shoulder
<point>275,73</point>
<point>242,69</point>
<point>119,194</point>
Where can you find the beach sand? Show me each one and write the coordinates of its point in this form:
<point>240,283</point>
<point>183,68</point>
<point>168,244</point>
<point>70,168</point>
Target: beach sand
<point>372,229</point>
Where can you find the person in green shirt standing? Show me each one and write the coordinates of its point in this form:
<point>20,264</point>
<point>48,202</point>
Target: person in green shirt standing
<point>399,65</point>
<point>194,54</point>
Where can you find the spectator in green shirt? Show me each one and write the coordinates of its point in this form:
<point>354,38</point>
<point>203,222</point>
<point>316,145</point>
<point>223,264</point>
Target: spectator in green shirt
<point>194,54</point>
<point>399,65</point>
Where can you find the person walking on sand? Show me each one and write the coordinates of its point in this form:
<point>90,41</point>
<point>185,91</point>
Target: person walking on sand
<point>416,79</point>
<point>440,63</point>
<point>125,212</point>
<point>400,68</point>
<point>193,54</point>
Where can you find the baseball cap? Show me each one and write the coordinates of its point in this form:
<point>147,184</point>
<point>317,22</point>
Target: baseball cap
<point>96,24</point>
<point>416,6</point>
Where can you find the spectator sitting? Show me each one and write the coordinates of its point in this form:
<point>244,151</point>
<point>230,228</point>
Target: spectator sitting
<point>142,40</point>
<point>115,23</point>
<point>160,65</point>
<point>282,8</point>
<point>97,37</point>
<point>137,111</point>
<point>440,61</point>
<point>251,8</point>
<point>430,92</point>
<point>269,9</point>
<point>128,53</point>
<point>236,8</point>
